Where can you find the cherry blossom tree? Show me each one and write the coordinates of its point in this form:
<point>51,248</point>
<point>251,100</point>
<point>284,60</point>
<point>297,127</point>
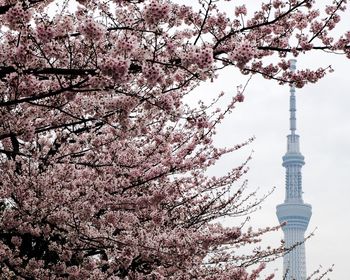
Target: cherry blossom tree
<point>103,164</point>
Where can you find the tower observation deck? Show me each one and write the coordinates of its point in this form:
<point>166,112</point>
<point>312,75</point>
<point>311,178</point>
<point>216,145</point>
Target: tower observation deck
<point>294,212</point>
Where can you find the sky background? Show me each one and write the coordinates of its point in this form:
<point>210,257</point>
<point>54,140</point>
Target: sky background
<point>323,123</point>
<point>323,115</point>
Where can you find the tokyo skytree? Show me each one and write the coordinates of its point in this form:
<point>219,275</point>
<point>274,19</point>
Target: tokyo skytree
<point>293,211</point>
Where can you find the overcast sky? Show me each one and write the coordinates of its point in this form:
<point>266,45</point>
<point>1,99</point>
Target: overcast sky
<point>323,115</point>
<point>323,123</point>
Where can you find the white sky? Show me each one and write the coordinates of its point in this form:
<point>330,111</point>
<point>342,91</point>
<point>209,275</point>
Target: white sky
<point>323,125</point>
<point>323,117</point>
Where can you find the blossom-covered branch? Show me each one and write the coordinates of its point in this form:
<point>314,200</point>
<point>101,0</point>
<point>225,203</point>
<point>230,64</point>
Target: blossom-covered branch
<point>103,164</point>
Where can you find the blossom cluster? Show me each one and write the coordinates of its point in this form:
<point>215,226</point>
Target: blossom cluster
<point>154,74</point>
<point>127,43</point>
<point>156,11</point>
<point>241,10</point>
<point>64,25</point>
<point>91,29</point>
<point>202,57</point>
<point>16,16</point>
<point>44,33</point>
<point>243,52</point>
<point>116,67</point>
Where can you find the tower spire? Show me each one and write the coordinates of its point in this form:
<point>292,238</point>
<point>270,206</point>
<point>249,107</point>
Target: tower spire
<point>292,103</point>
<point>294,211</point>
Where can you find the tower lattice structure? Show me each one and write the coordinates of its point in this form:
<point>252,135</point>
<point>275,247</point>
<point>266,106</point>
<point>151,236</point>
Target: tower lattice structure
<point>294,212</point>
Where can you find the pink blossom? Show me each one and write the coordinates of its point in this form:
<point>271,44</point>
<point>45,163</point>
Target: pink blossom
<point>103,158</point>
<point>16,240</point>
<point>116,67</point>
<point>91,29</point>
<point>156,11</point>
<point>240,10</point>
<point>17,16</point>
<point>243,53</point>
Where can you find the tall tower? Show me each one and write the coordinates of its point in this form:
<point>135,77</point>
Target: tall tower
<point>294,211</point>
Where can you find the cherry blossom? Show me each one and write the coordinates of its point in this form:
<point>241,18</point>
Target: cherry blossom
<point>103,163</point>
